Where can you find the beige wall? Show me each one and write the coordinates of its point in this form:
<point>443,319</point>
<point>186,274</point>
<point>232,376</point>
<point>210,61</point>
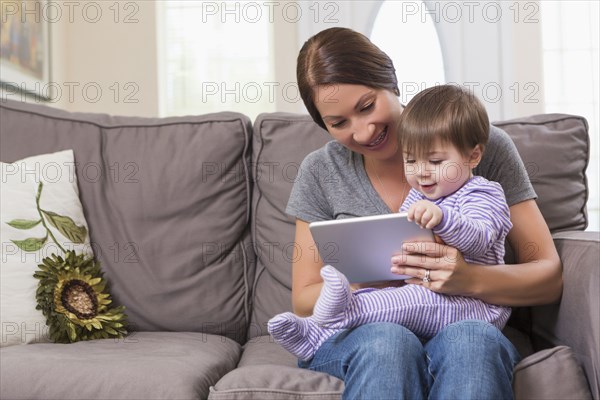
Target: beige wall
<point>108,62</point>
<point>115,56</point>
<point>103,57</point>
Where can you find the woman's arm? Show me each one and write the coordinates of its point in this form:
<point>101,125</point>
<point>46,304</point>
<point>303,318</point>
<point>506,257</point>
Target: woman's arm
<point>306,267</point>
<point>536,279</point>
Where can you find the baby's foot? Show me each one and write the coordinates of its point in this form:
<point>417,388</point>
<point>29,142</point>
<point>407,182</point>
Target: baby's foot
<point>334,299</point>
<point>300,336</point>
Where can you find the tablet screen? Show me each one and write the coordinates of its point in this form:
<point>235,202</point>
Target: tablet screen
<point>362,247</point>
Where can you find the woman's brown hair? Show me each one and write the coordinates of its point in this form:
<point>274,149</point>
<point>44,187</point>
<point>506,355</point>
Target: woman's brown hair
<point>341,55</point>
<point>449,113</point>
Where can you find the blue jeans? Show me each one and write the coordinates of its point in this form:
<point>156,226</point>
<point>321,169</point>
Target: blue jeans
<point>466,360</point>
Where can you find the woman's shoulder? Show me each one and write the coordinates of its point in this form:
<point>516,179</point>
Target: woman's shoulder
<point>331,152</point>
<point>500,155</point>
<point>498,138</point>
<point>502,163</point>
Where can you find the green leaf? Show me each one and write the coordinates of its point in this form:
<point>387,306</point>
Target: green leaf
<point>96,325</point>
<point>71,331</point>
<point>39,192</point>
<point>94,281</point>
<point>23,223</point>
<point>110,330</point>
<point>30,244</point>
<point>67,227</point>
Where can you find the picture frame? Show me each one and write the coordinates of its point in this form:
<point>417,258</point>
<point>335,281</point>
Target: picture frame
<point>25,49</point>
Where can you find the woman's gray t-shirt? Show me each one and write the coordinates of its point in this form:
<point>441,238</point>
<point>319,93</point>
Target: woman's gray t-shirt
<point>332,182</point>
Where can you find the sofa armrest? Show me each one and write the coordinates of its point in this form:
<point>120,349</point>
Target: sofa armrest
<point>575,321</point>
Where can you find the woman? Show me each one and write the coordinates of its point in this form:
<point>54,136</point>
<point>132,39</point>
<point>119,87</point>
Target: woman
<point>350,89</point>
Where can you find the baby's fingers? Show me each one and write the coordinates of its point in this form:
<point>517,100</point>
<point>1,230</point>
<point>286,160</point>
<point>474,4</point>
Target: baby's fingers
<point>430,224</point>
<point>411,212</point>
<point>426,219</point>
<point>418,215</point>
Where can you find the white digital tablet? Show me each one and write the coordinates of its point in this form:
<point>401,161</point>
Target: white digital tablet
<point>362,247</point>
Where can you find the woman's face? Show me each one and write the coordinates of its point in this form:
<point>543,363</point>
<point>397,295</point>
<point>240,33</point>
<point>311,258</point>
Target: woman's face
<point>361,118</point>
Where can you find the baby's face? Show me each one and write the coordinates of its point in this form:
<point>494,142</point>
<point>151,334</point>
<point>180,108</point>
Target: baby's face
<point>439,173</point>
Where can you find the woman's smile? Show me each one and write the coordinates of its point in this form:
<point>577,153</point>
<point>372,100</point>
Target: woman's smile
<point>379,141</point>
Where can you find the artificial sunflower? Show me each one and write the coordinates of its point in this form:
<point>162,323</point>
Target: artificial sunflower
<point>72,295</point>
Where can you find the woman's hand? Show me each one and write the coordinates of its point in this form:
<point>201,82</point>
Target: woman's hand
<point>448,271</point>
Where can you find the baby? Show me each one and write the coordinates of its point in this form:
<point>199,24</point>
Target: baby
<point>443,131</point>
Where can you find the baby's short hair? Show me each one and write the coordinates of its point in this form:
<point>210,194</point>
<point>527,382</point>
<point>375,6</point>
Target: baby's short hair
<point>447,112</point>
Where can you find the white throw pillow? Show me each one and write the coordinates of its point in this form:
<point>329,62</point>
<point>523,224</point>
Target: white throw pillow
<point>30,233</point>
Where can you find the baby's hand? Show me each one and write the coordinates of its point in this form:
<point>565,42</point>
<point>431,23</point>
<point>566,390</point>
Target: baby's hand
<point>425,214</point>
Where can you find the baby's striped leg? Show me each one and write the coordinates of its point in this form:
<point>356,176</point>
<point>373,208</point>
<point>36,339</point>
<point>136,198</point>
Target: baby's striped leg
<point>334,299</point>
<point>300,336</point>
<point>422,311</point>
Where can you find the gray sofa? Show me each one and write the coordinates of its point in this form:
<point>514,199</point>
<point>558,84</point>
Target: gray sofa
<point>196,212</point>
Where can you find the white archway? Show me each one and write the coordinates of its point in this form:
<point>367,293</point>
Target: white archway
<point>404,31</point>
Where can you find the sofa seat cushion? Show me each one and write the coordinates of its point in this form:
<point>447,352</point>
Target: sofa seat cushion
<point>145,365</point>
<point>536,376</point>
<point>263,350</point>
<point>267,372</point>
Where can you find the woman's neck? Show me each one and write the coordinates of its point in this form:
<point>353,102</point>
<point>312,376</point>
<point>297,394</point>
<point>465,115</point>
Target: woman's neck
<point>392,168</point>
<point>387,177</point>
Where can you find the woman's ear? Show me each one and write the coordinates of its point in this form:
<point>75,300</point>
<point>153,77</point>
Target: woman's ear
<point>475,157</point>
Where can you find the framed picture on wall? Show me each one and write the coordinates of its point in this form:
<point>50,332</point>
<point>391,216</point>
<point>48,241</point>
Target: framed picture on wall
<point>25,48</point>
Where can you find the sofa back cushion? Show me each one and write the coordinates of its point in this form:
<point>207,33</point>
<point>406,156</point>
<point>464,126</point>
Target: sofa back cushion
<point>168,207</point>
<point>554,148</point>
<point>280,143</point>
